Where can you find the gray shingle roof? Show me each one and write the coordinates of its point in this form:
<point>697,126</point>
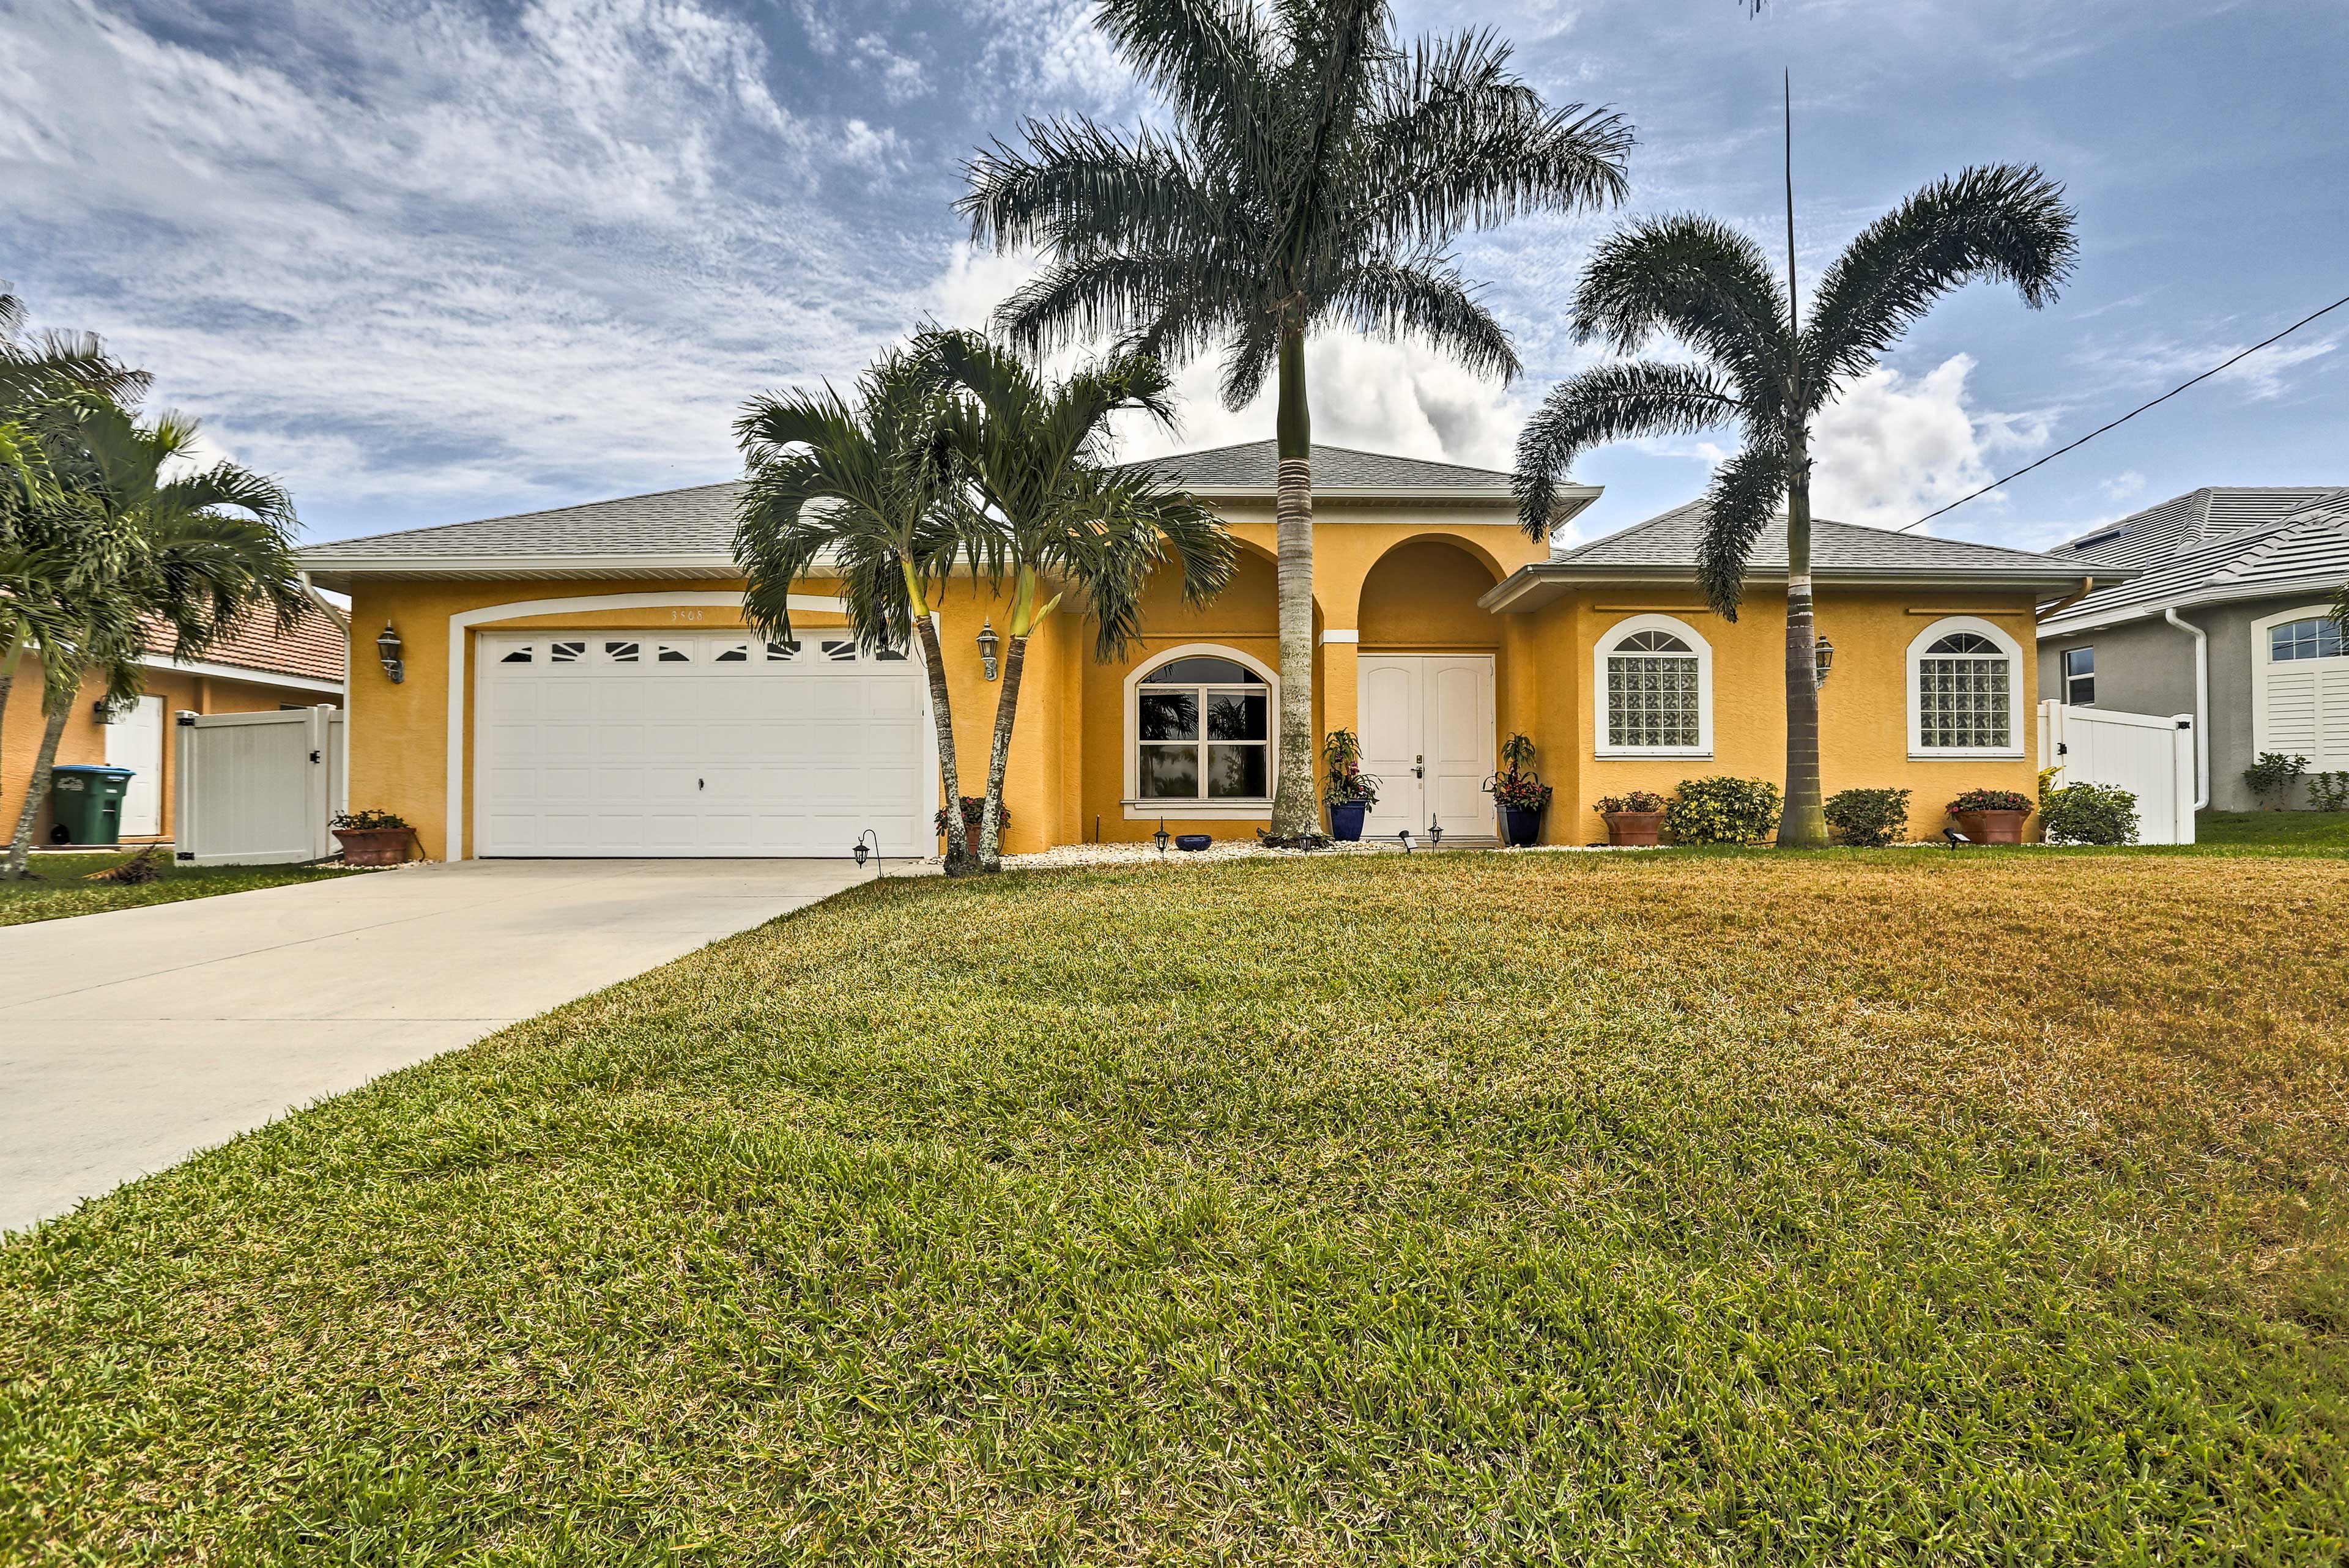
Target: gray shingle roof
<point>1670,541</point>
<point>1253,465</point>
<point>2189,521</point>
<point>2307,550</point>
<point>683,522</point>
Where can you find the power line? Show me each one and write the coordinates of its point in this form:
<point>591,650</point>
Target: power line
<point>2124,418</point>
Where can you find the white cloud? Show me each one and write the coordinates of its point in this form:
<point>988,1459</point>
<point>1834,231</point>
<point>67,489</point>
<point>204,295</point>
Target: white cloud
<point>2124,486</point>
<point>1894,448</point>
<point>405,256</point>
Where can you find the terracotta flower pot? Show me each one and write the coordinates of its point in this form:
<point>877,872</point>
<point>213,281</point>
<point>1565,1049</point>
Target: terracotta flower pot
<point>1992,827</point>
<point>1633,830</point>
<point>374,846</point>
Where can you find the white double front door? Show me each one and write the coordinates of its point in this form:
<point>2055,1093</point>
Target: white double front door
<point>1427,735</point>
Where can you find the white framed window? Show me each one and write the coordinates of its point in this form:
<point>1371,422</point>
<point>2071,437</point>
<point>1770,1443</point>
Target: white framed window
<point>2080,676</point>
<point>1653,678</point>
<point>1965,690</point>
<point>1199,735</point>
<point>2300,686</point>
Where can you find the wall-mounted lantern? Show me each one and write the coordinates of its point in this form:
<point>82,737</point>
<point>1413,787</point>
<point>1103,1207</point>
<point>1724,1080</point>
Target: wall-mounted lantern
<point>113,710</point>
<point>387,648</point>
<point>1823,658</point>
<point>988,644</point>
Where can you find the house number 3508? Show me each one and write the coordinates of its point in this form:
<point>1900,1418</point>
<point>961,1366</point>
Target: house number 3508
<point>675,615</point>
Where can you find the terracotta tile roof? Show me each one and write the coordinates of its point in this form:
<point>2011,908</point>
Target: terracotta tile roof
<point>312,649</point>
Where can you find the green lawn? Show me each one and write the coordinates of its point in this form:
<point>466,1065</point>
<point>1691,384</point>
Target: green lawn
<point>2307,829</point>
<point>61,890</point>
<point>1980,1208</point>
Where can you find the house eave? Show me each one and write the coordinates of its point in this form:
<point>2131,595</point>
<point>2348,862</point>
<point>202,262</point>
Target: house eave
<point>2120,615</point>
<point>247,673</point>
<point>1531,587</point>
<point>341,574</point>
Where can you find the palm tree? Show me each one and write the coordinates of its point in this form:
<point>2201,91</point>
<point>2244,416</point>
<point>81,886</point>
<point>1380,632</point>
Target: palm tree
<point>1038,458</point>
<point>41,550</point>
<point>191,552</point>
<point>865,493</point>
<point>1318,172</point>
<point>1761,370</point>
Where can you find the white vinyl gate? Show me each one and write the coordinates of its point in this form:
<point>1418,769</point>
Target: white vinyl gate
<point>256,788</point>
<point>2147,754</point>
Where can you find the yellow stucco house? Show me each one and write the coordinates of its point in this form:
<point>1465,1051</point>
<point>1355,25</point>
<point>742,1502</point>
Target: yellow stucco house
<point>579,681</point>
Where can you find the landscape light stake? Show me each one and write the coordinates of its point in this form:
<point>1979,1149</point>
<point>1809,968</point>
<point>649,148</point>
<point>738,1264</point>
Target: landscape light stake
<point>862,852</point>
<point>1434,832</point>
<point>1403,837</point>
<point>1161,836</point>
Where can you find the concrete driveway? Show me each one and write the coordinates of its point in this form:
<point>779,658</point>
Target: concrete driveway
<point>131,1041</point>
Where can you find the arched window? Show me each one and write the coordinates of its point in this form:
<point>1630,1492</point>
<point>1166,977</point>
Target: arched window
<point>1199,735</point>
<point>2300,686</point>
<point>1654,682</point>
<point>1965,691</point>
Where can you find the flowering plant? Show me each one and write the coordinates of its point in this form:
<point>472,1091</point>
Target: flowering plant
<point>1637,801</point>
<point>1518,788</point>
<point>1347,784</point>
<point>974,811</point>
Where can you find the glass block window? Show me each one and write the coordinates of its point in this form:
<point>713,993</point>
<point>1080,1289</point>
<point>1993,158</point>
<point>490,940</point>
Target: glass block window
<point>2316,637</point>
<point>1203,729</point>
<point>1965,692</point>
<point>1655,697</point>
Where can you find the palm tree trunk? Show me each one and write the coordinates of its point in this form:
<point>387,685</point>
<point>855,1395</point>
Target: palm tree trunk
<point>1007,710</point>
<point>941,713</point>
<point>1804,824</point>
<point>20,848</point>
<point>1295,814</point>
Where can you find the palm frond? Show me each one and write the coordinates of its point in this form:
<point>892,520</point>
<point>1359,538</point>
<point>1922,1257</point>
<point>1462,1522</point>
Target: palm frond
<point>1696,279</point>
<point>1746,492</point>
<point>1080,300</point>
<point>1458,140</point>
<point>1611,403</point>
<point>1212,59</point>
<point>1382,299</point>
<point>2006,223</point>
<point>1076,184</point>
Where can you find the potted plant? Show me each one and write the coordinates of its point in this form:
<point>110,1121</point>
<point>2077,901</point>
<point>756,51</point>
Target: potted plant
<point>1518,794</point>
<point>1349,791</point>
<point>1632,818</point>
<point>1992,816</point>
<point>372,838</point>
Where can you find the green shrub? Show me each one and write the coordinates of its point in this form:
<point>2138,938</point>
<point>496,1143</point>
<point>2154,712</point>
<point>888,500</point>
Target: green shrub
<point>1721,811</point>
<point>1993,801</point>
<point>2090,814</point>
<point>2273,773</point>
<point>1869,819</point>
<point>2329,792</point>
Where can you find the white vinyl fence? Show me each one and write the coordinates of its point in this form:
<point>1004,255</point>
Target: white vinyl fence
<point>256,788</point>
<point>2149,756</point>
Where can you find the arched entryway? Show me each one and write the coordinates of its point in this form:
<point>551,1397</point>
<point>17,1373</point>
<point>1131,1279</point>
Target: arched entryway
<point>1425,688</point>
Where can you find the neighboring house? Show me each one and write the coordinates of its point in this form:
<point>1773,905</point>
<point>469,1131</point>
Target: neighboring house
<point>578,682</point>
<point>253,668</point>
<point>2232,590</point>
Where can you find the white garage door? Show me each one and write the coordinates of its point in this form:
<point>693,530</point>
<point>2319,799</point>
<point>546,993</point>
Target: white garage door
<point>648,742</point>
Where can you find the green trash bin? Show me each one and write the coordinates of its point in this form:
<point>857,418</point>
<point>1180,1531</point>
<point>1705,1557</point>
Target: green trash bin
<point>88,800</point>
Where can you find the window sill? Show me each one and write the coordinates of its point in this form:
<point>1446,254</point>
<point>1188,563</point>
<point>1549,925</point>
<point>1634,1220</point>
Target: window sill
<point>1637,753</point>
<point>2015,755</point>
<point>1198,811</point>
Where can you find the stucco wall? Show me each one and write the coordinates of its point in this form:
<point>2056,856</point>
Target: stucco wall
<point>1863,707</point>
<point>1391,577</point>
<point>84,741</point>
<point>2147,666</point>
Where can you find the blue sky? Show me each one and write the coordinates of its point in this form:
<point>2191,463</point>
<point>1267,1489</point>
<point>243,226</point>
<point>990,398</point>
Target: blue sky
<point>447,258</point>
